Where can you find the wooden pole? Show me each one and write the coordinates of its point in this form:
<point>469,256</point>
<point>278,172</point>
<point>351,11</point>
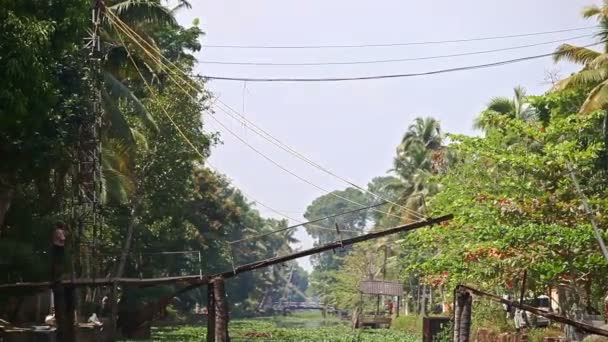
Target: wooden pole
<point>70,309</point>
<point>113,298</point>
<point>221,311</point>
<point>522,291</point>
<point>64,303</point>
<point>465,317</point>
<point>398,305</point>
<point>210,313</point>
<point>196,282</point>
<point>457,314</point>
<point>554,317</point>
<point>330,246</point>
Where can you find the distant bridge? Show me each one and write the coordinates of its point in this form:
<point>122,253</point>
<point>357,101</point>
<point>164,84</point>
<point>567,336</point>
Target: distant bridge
<point>301,306</point>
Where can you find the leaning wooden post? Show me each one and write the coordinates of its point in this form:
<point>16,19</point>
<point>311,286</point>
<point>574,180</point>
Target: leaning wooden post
<point>64,306</point>
<point>465,317</point>
<point>210,313</point>
<point>221,310</point>
<point>457,314</point>
<point>113,298</point>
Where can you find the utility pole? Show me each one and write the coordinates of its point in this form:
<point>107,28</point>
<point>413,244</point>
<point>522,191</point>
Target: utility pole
<point>87,175</point>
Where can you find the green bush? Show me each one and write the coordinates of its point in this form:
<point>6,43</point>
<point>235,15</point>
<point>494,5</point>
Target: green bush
<point>446,334</point>
<point>410,324</point>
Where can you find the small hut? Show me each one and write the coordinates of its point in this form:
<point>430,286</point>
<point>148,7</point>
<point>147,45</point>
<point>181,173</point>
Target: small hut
<point>379,289</point>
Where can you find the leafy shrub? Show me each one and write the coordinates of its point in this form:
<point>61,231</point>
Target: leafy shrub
<point>411,324</point>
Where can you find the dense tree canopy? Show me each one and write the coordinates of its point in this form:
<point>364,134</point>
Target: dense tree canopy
<point>511,189</point>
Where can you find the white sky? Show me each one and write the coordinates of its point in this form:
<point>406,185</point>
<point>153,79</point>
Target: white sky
<point>352,128</point>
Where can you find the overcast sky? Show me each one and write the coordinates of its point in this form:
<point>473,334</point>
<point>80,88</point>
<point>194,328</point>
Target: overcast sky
<point>352,128</point>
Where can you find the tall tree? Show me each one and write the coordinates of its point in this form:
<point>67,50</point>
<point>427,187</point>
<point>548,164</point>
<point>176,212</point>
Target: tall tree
<point>517,107</point>
<point>419,156</point>
<point>595,64</point>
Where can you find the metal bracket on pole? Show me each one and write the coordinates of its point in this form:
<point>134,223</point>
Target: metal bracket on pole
<point>200,265</point>
<point>232,258</point>
<point>339,235</point>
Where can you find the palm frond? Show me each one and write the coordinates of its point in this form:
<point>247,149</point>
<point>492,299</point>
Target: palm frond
<point>118,89</point>
<point>143,11</point>
<point>502,105</point>
<point>575,54</point>
<point>595,10</point>
<point>583,77</point>
<point>600,62</point>
<point>119,128</point>
<point>116,186</point>
<point>520,94</point>
<point>117,181</point>
<point>597,98</point>
<point>181,5</point>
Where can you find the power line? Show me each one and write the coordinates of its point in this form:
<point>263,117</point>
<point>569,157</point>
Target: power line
<point>252,147</point>
<point>238,137</point>
<point>275,141</point>
<point>387,76</point>
<point>238,46</point>
<point>185,138</point>
<point>380,61</point>
<point>309,222</point>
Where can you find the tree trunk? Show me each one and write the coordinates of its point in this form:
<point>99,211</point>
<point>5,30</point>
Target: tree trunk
<point>128,239</point>
<point>423,309</point>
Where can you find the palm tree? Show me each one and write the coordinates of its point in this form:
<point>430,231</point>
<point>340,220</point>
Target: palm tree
<point>424,132</point>
<point>121,62</point>
<point>415,164</point>
<point>595,64</point>
<point>514,108</point>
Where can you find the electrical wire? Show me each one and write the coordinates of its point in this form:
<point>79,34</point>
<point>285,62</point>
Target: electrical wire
<point>237,46</point>
<point>387,76</point>
<point>312,221</point>
<point>414,213</point>
<point>380,61</point>
<point>275,141</point>
<point>255,149</point>
<point>189,142</point>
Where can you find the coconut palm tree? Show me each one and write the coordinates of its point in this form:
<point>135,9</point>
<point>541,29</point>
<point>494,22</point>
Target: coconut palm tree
<point>515,108</point>
<point>414,164</point>
<point>424,132</point>
<point>121,60</point>
<point>595,64</point>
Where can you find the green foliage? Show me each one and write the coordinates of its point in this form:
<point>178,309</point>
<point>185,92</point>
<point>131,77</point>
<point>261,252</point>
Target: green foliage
<point>261,330</point>
<point>408,323</point>
<point>446,334</point>
<point>156,192</point>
